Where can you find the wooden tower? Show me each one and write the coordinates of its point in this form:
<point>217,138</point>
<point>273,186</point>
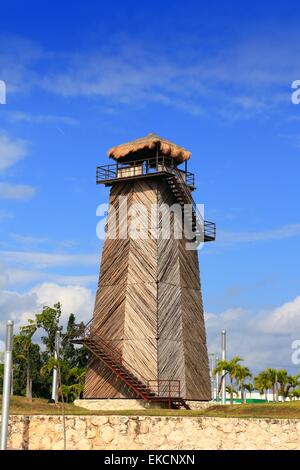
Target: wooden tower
<point>147,336</point>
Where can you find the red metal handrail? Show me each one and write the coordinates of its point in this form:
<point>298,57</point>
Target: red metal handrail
<point>165,388</point>
<point>91,334</point>
<point>160,389</point>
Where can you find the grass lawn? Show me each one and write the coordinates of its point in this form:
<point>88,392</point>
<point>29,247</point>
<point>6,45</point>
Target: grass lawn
<point>39,406</point>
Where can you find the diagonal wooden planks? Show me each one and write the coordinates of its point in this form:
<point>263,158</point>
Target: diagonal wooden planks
<point>148,304</point>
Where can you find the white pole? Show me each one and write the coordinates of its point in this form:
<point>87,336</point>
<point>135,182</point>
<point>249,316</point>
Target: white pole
<point>223,347</point>
<point>6,384</point>
<point>212,379</point>
<point>217,380</point>
<point>54,396</point>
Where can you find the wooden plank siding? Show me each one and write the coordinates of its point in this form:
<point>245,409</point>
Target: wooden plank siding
<point>149,303</point>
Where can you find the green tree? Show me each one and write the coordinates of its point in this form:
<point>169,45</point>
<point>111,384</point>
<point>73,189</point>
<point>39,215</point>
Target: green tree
<point>292,383</point>
<point>48,320</point>
<point>262,383</point>
<point>249,387</point>
<point>296,393</point>
<point>75,384</point>
<point>33,366</point>
<point>283,381</point>
<point>26,365</point>
<point>25,352</point>
<point>72,362</point>
<point>242,374</point>
<point>232,390</point>
<point>231,369</point>
<point>74,355</point>
<point>272,379</point>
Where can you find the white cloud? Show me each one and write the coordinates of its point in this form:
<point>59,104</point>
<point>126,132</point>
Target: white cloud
<point>20,116</point>
<point>3,277</point>
<point>41,260</point>
<point>263,339</point>
<point>17,192</point>
<point>17,59</point>
<point>14,305</point>
<point>11,151</point>
<point>284,320</point>
<point>21,307</point>
<point>287,231</point>
<point>5,215</point>
<point>29,240</point>
<point>74,299</point>
<point>141,72</point>
<point>10,278</point>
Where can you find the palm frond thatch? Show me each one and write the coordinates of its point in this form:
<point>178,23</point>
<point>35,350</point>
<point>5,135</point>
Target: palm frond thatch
<point>150,142</point>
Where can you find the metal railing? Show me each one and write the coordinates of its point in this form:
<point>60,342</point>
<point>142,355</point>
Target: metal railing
<point>206,230</point>
<point>159,389</point>
<point>209,230</point>
<point>165,388</point>
<point>144,167</point>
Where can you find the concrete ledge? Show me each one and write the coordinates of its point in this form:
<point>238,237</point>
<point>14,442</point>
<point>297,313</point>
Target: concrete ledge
<point>130,404</point>
<point>116,404</point>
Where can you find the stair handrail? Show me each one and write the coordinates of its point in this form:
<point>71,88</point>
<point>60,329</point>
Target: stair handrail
<point>189,197</point>
<point>172,387</point>
<point>149,392</point>
<point>113,352</point>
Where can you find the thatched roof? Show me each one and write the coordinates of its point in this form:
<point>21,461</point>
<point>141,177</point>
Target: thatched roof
<point>148,143</point>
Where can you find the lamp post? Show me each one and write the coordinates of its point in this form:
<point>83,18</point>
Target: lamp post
<point>6,384</point>
<point>217,380</point>
<point>54,395</point>
<point>212,366</point>
<point>223,348</point>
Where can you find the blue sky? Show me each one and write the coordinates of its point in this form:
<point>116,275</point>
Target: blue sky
<point>214,78</point>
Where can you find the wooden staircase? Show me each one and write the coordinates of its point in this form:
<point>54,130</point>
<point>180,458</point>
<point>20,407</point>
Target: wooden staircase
<point>203,230</point>
<point>137,387</point>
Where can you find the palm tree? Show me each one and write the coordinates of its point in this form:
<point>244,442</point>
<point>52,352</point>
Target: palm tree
<point>23,351</point>
<point>249,387</point>
<point>231,369</point>
<point>292,385</point>
<point>77,377</point>
<point>242,374</point>
<point>283,381</point>
<point>73,390</point>
<point>272,374</point>
<point>262,383</point>
<point>296,393</point>
<point>231,390</point>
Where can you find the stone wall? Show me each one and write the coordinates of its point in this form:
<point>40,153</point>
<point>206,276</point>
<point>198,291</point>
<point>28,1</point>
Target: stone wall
<point>151,432</point>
